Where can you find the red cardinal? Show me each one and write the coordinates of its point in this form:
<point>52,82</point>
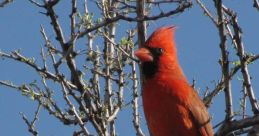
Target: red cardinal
<point>171,106</point>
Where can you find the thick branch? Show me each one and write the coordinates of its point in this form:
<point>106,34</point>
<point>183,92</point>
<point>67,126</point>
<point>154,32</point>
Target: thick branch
<point>135,102</point>
<point>236,125</point>
<point>224,60</point>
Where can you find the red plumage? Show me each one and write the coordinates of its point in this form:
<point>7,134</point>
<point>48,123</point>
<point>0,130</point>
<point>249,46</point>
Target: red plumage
<point>171,106</point>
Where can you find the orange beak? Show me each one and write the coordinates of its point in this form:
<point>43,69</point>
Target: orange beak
<point>144,55</point>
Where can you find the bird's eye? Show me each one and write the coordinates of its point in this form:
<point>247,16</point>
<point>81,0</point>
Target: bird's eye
<point>160,51</point>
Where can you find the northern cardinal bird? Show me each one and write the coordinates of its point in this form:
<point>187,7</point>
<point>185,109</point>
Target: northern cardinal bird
<point>171,106</point>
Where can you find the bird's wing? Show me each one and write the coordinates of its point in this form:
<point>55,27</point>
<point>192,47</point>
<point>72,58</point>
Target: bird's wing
<point>200,115</point>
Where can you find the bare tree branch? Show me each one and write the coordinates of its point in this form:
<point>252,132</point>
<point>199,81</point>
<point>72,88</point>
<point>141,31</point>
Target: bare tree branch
<point>31,125</point>
<point>209,97</point>
<point>224,60</point>
<point>207,12</point>
<point>118,17</point>
<point>235,125</point>
<point>73,109</point>
<point>244,68</point>
<point>136,116</point>
<point>256,4</point>
<point>30,62</point>
<point>5,2</point>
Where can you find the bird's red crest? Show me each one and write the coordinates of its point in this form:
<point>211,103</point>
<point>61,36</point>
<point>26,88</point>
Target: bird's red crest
<point>162,37</point>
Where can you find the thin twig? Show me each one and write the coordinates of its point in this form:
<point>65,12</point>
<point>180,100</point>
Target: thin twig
<point>29,61</point>
<point>208,99</point>
<point>73,109</point>
<point>5,2</point>
<point>207,12</point>
<point>118,17</point>
<point>36,3</point>
<point>118,47</point>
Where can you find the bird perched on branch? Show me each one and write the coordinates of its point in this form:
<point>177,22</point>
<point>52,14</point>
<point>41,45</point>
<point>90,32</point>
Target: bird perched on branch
<point>171,106</point>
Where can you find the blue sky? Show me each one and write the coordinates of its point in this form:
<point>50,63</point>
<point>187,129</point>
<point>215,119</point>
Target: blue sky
<point>197,42</point>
